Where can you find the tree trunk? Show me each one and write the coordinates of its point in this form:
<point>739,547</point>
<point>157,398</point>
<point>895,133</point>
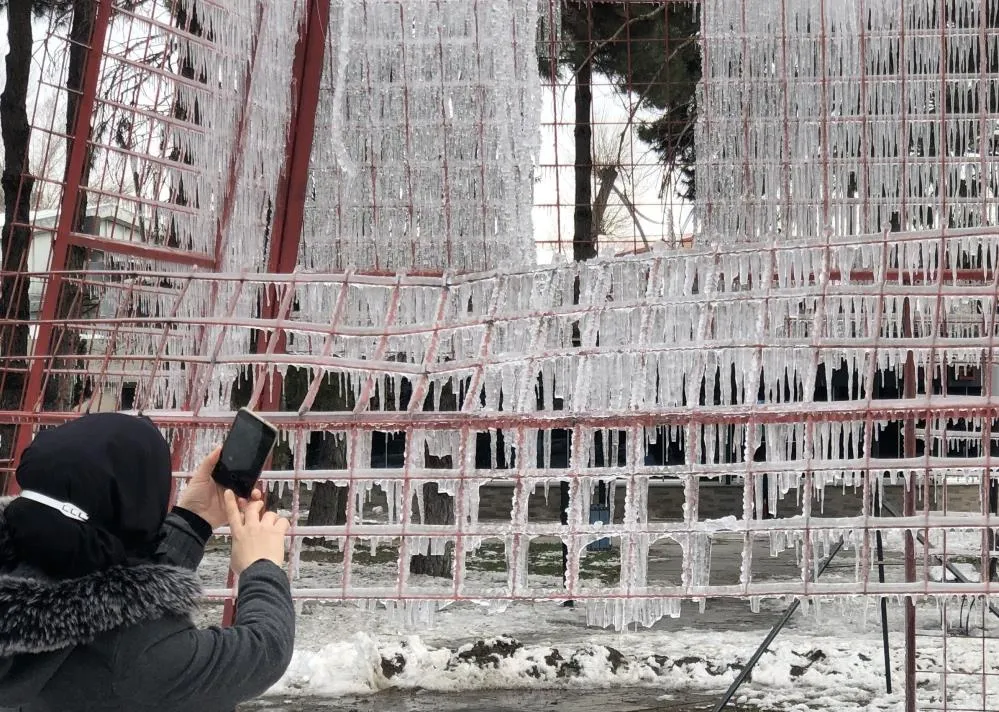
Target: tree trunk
<point>326,451</point>
<point>584,243</point>
<point>17,183</point>
<point>606,177</point>
<point>991,540</point>
<point>16,236</point>
<point>281,459</point>
<point>329,501</point>
<point>438,508</point>
<point>328,505</point>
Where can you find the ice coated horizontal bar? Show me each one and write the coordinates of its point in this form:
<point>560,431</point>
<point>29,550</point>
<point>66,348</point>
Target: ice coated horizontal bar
<point>410,594</point>
<point>391,421</point>
<point>791,412</point>
<point>938,469</point>
<point>417,278</point>
<point>347,331</point>
<point>815,527</point>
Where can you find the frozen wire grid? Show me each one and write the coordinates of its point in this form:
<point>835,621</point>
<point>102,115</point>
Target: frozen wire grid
<point>333,211</point>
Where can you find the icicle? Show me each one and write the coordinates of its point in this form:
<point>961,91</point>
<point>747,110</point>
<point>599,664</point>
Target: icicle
<point>349,222</point>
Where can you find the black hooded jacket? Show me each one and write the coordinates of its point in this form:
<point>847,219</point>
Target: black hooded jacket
<point>122,639</point>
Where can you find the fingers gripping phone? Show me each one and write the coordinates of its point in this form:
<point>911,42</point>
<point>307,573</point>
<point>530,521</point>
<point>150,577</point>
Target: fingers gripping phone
<point>244,452</point>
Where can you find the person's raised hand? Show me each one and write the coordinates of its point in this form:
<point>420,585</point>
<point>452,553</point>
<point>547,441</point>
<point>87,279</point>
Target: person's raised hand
<point>203,495</point>
<point>256,534</point>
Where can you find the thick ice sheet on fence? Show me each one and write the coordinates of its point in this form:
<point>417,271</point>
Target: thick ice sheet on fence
<point>621,373</point>
<point>848,117</point>
<point>427,137</point>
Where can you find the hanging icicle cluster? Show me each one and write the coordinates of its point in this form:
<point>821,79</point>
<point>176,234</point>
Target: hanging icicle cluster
<point>711,353</point>
<point>849,117</point>
<point>213,171</point>
<point>245,215</point>
<point>426,139</point>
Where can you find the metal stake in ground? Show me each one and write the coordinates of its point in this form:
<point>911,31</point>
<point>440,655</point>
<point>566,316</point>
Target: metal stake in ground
<point>744,674</point>
<point>884,601</point>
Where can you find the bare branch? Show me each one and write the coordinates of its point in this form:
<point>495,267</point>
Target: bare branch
<point>634,212</point>
<point>624,26</point>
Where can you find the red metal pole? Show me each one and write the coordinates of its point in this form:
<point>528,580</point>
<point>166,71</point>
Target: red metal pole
<point>289,209</point>
<point>909,510</point>
<point>75,165</point>
<point>289,204</point>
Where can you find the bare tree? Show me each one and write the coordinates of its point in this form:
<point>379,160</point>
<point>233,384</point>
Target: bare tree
<point>46,157</point>
<point>17,190</point>
<point>620,179</point>
<point>438,507</point>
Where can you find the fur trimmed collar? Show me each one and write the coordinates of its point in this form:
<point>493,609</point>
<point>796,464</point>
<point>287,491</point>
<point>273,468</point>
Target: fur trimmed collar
<point>39,614</point>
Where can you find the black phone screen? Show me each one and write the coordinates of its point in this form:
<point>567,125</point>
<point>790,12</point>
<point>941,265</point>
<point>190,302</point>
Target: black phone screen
<point>244,453</point>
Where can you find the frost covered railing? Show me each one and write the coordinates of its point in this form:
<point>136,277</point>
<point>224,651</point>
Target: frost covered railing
<point>793,368</point>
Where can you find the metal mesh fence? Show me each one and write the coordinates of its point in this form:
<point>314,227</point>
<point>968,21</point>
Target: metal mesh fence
<point>324,210</point>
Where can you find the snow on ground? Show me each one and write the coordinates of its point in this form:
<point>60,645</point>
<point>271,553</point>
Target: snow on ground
<point>830,656</point>
<point>827,660</point>
<point>801,666</point>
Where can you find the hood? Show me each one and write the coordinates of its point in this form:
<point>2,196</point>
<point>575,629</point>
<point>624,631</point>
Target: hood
<point>43,619</point>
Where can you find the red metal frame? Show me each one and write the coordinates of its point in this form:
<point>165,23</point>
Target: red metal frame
<point>276,313</point>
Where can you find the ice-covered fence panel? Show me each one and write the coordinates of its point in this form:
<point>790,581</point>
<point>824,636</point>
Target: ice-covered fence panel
<point>189,101</point>
<point>427,137</point>
<point>849,117</point>
<point>780,369</point>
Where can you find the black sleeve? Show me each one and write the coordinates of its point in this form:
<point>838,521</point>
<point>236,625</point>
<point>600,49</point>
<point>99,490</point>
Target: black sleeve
<point>184,538</point>
<point>202,528</point>
<point>216,668</point>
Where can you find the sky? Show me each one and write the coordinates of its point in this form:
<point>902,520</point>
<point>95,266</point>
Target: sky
<point>664,217</point>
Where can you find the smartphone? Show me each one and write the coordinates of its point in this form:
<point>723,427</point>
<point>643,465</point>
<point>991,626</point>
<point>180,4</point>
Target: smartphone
<point>244,452</point>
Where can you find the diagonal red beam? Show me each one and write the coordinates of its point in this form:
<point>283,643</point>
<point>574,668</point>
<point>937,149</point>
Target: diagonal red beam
<point>117,246</point>
<point>289,202</point>
<point>289,206</point>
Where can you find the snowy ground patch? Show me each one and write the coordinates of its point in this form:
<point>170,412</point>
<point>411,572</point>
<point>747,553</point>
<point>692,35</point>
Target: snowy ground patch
<point>797,670</point>
<point>829,658</point>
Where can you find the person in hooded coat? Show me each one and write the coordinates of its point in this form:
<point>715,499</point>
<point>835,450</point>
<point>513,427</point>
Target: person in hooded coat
<point>97,582</point>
